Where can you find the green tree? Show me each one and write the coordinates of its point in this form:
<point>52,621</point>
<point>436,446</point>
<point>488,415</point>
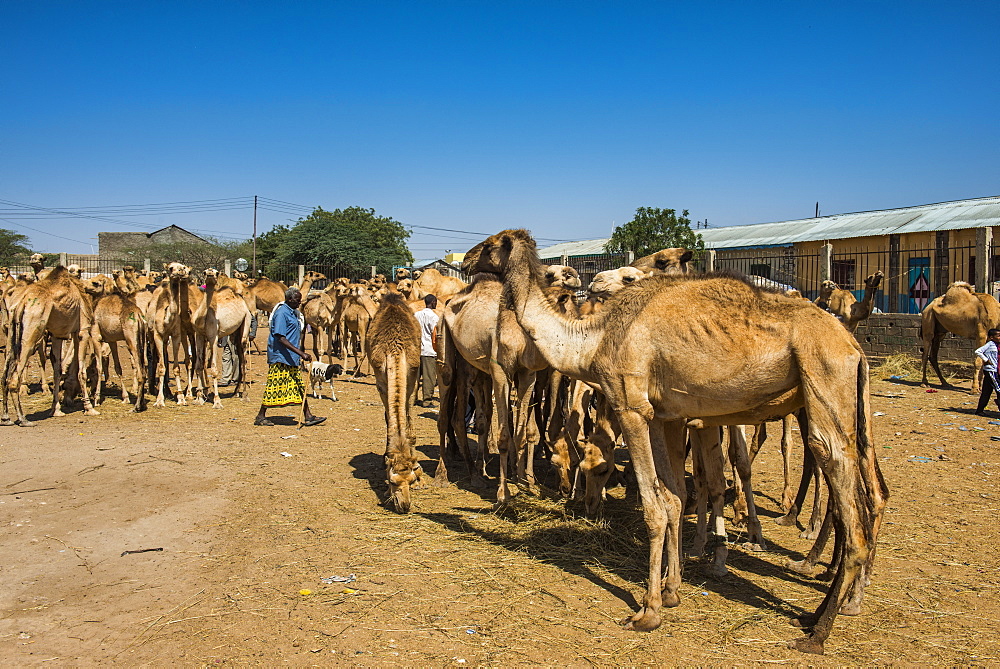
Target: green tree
<point>12,247</point>
<point>653,229</point>
<point>354,237</point>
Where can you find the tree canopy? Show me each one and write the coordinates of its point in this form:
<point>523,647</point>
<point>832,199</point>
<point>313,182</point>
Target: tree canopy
<point>355,238</point>
<point>12,247</point>
<point>653,229</point>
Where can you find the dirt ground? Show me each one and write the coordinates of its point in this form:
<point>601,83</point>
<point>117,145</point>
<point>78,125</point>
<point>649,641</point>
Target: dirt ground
<point>245,523</point>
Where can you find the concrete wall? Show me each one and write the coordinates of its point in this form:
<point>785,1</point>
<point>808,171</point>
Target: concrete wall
<point>886,334</point>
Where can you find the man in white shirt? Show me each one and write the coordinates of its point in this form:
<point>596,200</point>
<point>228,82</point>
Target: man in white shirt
<point>428,320</point>
<point>991,385</point>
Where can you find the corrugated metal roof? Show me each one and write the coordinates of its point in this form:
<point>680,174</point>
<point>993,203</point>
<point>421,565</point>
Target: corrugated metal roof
<point>958,215</point>
<point>584,248</point>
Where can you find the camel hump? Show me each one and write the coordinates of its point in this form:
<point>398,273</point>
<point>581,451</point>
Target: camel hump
<point>395,299</point>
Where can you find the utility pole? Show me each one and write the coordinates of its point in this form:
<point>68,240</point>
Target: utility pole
<point>817,210</point>
<point>254,275</point>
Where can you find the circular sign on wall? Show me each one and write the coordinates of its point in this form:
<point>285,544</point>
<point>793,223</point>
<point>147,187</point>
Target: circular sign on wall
<point>241,264</point>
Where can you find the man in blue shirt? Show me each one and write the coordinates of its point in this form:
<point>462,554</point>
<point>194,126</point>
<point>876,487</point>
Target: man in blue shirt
<point>284,379</point>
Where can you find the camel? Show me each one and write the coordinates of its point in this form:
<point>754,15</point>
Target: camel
<point>358,312</point>
<point>963,312</point>
<point>732,354</point>
<point>392,345</point>
<point>605,283</point>
<point>167,309</point>
<point>402,273</point>
<point>308,279</point>
<point>54,304</point>
<point>117,318</point>
<point>432,282</point>
<point>221,312</point>
<point>267,294</point>
<point>666,261</point>
<point>842,303</point>
<point>562,276</point>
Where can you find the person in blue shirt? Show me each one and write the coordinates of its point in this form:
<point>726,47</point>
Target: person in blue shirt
<point>284,378</point>
<point>991,385</point>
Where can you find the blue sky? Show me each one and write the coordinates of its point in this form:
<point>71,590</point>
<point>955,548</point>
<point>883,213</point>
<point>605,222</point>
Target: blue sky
<point>562,117</point>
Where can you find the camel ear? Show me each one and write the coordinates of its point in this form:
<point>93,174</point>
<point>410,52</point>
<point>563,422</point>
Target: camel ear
<point>686,256</point>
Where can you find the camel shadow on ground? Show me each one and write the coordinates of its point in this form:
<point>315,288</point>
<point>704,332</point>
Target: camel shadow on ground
<point>616,547</point>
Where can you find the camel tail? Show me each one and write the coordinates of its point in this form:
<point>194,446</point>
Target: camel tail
<point>878,491</point>
<point>14,336</point>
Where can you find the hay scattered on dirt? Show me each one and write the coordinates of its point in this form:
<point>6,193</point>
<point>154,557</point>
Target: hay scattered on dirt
<point>900,364</point>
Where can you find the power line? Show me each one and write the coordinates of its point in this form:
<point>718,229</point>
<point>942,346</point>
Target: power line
<point>21,225</point>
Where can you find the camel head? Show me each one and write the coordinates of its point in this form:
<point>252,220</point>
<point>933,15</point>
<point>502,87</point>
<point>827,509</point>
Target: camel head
<point>36,261</point>
<point>315,276</point>
<point>73,270</point>
<point>666,261</point>
<point>826,289</point>
<point>401,473</point>
<point>99,285</point>
<point>176,270</point>
<point>562,275</point>
<point>405,286</point>
<point>211,276</point>
<point>154,276</point>
<point>874,280</point>
<point>240,276</point>
<point>493,254</point>
<point>564,301</point>
<point>611,281</point>
<point>4,273</point>
<point>379,279</point>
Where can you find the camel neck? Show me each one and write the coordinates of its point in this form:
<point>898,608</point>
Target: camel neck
<point>568,345</point>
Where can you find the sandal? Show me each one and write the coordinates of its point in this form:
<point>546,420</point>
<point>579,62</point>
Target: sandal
<point>315,420</point>
<point>263,421</point>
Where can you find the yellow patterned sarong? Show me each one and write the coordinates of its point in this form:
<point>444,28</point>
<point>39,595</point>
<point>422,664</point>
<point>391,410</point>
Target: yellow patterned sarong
<point>284,386</point>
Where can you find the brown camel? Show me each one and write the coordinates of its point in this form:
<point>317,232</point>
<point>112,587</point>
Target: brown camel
<point>168,308</point>
<point>842,303</point>
<point>55,304</point>
<point>562,276</point>
<point>657,378</point>
<point>267,294</point>
<point>392,345</point>
<point>432,282</point>
<point>358,312</point>
<point>963,312</point>
<point>666,261</point>
<point>117,318</point>
<point>221,312</point>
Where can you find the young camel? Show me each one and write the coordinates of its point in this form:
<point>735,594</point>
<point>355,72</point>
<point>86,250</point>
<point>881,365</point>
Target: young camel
<point>55,304</point>
<point>392,345</point>
<point>961,311</point>
<point>731,355</point>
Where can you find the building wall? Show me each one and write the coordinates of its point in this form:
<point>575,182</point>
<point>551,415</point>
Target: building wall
<point>888,334</point>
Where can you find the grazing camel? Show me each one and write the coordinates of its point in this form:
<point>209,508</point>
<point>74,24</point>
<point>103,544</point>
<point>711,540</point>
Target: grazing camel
<point>117,318</point>
<point>842,303</point>
<point>55,304</point>
<point>659,377</point>
<point>963,312</point>
<point>392,345</point>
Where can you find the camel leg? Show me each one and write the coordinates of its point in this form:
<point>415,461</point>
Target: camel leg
<point>808,465</point>
<point>524,446</point>
<point>740,460</point>
<point>656,504</point>
<point>176,343</point>
<point>740,509</point>
<point>447,393</point>
<point>116,361</point>
<point>84,351</point>
<point>501,393</point>
<point>786,462</point>
<point>242,362</point>
<point>708,468</point>
<point>482,392</point>
<point>55,357</point>
<point>135,342</point>
<point>212,368</point>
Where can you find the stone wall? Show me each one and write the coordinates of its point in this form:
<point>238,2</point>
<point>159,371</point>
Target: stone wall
<point>886,334</point>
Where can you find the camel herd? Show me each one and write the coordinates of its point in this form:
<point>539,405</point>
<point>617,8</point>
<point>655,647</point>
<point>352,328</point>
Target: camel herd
<point>668,361</point>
